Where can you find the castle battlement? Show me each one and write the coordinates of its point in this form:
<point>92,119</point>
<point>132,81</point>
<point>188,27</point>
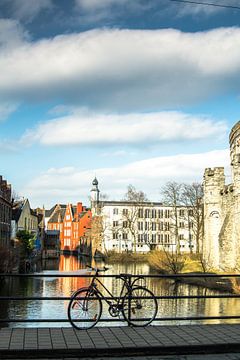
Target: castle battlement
<point>221,244</point>
<point>227,189</point>
<point>235,132</point>
<point>216,171</point>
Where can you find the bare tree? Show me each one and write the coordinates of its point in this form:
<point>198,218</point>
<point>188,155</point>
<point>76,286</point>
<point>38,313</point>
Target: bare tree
<point>96,235</point>
<point>130,216</point>
<point>192,195</point>
<point>172,196</point>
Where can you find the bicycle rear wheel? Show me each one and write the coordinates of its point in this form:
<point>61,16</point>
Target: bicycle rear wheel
<point>84,309</point>
<point>139,306</point>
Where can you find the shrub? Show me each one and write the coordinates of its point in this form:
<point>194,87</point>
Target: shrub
<point>166,262</point>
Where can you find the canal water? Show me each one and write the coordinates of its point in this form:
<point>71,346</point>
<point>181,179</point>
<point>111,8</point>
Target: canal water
<point>55,286</point>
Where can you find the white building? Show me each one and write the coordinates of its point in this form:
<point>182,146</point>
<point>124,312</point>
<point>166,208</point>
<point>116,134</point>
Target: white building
<point>143,226</point>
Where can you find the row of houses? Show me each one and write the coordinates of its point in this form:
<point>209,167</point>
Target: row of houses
<point>119,226</point>
<point>63,227</point>
<point>70,224</point>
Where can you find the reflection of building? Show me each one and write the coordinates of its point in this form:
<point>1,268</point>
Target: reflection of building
<point>221,247</point>
<point>143,226</point>
<point>72,222</point>
<point>5,212</point>
<point>68,284</point>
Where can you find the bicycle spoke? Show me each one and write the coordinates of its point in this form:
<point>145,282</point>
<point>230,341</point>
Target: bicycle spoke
<point>84,309</point>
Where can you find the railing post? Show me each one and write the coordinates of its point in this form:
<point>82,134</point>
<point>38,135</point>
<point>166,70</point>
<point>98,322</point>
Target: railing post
<point>129,297</point>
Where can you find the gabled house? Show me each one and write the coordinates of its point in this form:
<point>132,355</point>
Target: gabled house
<point>72,221</point>
<point>23,218</point>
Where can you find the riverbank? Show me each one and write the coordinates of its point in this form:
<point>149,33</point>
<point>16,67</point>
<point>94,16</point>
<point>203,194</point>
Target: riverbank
<point>125,257</point>
<point>189,264</point>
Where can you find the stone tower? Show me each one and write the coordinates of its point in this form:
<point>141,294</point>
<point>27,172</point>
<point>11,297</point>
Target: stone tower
<point>94,196</point>
<point>214,181</point>
<point>221,243</point>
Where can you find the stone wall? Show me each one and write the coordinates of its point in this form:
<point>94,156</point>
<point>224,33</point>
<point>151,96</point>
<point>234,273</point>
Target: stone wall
<point>222,212</point>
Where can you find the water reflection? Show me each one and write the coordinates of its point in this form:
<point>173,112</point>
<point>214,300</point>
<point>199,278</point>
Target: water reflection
<point>66,286</point>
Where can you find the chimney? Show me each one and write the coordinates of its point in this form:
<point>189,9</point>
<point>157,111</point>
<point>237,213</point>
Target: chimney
<point>79,208</point>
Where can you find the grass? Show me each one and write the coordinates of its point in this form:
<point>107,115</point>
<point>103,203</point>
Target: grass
<point>125,257</point>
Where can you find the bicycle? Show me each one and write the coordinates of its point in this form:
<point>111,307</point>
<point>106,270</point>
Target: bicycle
<point>134,301</point>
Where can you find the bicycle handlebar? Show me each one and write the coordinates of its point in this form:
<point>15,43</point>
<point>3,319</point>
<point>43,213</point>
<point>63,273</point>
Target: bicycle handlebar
<point>97,269</point>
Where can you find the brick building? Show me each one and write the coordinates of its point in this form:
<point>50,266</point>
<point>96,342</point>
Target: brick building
<point>5,212</point>
<point>72,221</point>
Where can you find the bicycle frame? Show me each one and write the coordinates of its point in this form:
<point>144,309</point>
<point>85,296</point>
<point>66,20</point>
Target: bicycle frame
<point>117,299</point>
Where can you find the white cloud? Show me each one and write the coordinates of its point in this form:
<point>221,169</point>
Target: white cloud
<point>27,10</point>
<point>92,5</point>
<point>6,109</point>
<point>71,184</point>
<point>205,10</point>
<point>12,35</point>
<point>85,128</point>
<point>124,69</point>
<point>95,11</point>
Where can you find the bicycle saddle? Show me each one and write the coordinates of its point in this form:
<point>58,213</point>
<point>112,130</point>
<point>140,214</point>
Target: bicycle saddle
<point>97,269</point>
<point>123,275</point>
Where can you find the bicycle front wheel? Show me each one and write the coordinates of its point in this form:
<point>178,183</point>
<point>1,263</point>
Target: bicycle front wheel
<point>84,309</point>
<point>139,306</point>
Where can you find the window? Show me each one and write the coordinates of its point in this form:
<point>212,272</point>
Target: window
<point>125,224</point>
<point>115,236</point>
<point>146,237</point>
<point>140,213</point>
<point>154,214</point>
<point>167,214</point>
<point>160,238</point>
<point>154,238</point>
<point>146,225</point>
<point>181,237</point>
<point>160,214</point>
<point>125,236</point>
<point>160,226</point>
<point>181,224</point>
<point>115,211</point>
<point>147,213</point>
<point>140,237</point>
<point>140,225</point>
<point>190,212</point>
<point>166,238</point>
<point>115,223</point>
<point>181,212</point>
<point>67,217</point>
<point>167,226</point>
<point>154,226</point>
<point>190,225</point>
<point>125,211</point>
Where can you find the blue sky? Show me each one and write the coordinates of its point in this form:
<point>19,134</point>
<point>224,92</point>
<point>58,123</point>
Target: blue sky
<point>134,92</point>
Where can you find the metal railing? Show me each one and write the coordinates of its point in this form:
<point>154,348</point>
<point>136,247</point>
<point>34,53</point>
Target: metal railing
<point>177,277</point>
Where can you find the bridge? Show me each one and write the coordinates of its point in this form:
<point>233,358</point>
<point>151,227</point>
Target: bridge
<point>30,343</point>
<point>156,339</point>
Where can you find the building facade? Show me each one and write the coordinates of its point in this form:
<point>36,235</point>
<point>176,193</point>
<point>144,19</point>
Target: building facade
<point>72,222</point>
<point>5,212</point>
<point>24,218</point>
<point>144,226</point>
<point>221,246</point>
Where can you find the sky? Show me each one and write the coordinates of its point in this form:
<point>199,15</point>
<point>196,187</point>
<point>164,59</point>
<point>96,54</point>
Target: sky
<point>132,92</point>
